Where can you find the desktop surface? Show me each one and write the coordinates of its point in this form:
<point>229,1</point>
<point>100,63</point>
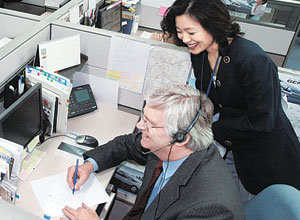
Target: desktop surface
<point>104,124</point>
<point>9,211</point>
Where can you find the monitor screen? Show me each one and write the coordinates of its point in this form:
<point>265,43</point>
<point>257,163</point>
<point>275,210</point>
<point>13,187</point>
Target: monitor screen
<point>23,120</point>
<point>110,17</point>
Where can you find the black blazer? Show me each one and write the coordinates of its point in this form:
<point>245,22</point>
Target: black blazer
<point>201,188</point>
<point>252,122</point>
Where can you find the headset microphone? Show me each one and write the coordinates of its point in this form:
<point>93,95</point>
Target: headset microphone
<point>157,149</point>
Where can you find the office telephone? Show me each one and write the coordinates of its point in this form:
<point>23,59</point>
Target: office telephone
<point>82,101</point>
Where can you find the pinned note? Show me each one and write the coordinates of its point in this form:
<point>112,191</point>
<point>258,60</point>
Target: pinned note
<point>162,10</point>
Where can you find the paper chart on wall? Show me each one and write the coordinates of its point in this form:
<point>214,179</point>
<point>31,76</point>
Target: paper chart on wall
<point>127,63</point>
<point>166,66</point>
<point>53,193</point>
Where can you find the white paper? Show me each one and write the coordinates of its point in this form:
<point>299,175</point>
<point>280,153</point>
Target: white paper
<point>158,3</point>
<point>60,53</point>
<point>85,5</point>
<point>105,91</point>
<point>127,63</point>
<point>16,150</point>
<point>53,193</point>
<point>49,101</point>
<point>92,4</point>
<point>166,66</point>
<point>74,14</point>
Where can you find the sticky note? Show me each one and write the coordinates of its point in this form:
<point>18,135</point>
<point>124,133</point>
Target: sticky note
<point>162,10</point>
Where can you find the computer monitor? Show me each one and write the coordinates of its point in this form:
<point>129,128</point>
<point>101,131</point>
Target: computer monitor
<point>109,17</point>
<point>23,119</point>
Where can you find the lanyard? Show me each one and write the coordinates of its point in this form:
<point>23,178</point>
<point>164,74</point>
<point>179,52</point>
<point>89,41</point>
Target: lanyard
<point>212,74</point>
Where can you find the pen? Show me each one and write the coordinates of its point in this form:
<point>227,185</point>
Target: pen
<point>75,177</point>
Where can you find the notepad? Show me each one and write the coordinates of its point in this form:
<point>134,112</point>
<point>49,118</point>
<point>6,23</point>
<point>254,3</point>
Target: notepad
<point>53,193</point>
<point>30,162</point>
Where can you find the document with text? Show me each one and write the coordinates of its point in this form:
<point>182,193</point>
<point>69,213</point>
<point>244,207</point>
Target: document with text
<point>54,193</point>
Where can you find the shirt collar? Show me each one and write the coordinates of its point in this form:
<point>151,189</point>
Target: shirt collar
<point>169,170</point>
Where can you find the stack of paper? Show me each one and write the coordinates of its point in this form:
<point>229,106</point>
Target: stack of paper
<point>56,93</point>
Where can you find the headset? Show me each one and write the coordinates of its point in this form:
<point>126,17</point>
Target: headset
<point>180,136</point>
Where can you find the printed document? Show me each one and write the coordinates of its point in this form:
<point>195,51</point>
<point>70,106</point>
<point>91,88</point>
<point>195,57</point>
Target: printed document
<point>60,53</point>
<point>54,193</point>
<point>166,66</point>
<point>127,63</point>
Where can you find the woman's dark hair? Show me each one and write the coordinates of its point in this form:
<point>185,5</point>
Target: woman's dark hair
<point>211,14</point>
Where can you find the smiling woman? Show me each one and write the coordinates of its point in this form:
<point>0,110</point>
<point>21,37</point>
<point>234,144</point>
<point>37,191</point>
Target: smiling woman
<point>191,33</point>
<point>245,92</point>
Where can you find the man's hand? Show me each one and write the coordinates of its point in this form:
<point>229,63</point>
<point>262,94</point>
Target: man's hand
<point>157,36</point>
<point>82,213</point>
<point>84,172</point>
<point>164,37</point>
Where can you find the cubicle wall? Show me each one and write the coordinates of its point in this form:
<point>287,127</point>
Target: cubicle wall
<point>149,16</point>
<point>13,23</point>
<point>35,2</point>
<point>95,43</point>
<point>275,41</point>
<point>21,49</point>
<point>27,31</point>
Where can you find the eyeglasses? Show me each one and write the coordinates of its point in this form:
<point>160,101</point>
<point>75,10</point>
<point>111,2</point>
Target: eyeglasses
<point>147,124</point>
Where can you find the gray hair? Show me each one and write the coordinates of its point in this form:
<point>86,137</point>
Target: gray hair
<point>181,104</point>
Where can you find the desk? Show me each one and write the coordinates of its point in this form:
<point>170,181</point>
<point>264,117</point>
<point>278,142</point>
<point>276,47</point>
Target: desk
<point>104,124</point>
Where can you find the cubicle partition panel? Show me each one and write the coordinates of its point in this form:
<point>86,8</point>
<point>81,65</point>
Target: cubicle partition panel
<point>14,23</point>
<point>149,16</point>
<point>95,43</point>
<point>268,37</point>
<point>21,50</point>
<point>35,2</point>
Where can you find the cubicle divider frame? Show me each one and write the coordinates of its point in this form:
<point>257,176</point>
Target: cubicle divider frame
<point>95,43</point>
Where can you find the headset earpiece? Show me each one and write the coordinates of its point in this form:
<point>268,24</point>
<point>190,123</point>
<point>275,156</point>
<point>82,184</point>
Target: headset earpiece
<point>179,137</point>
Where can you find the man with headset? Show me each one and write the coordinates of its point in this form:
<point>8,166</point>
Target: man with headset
<point>194,183</point>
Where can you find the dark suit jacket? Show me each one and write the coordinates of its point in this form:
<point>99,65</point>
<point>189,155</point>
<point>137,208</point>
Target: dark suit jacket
<point>201,188</point>
<point>252,122</point>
